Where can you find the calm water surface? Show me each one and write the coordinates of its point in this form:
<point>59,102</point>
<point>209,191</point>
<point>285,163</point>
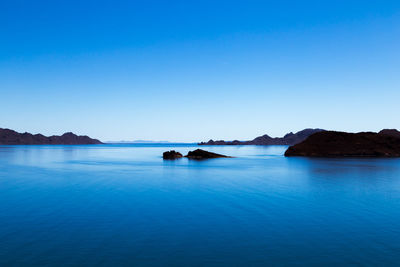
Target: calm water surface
<point>122,205</point>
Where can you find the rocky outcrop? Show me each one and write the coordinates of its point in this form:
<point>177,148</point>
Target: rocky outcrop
<point>10,137</point>
<point>288,139</point>
<point>391,132</point>
<point>341,144</point>
<point>202,154</point>
<point>172,155</point>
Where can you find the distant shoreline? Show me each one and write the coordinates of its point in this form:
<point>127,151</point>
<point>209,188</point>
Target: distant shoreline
<point>264,140</point>
<point>11,137</point>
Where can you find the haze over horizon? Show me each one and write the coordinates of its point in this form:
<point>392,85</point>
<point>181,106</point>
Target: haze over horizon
<point>184,71</point>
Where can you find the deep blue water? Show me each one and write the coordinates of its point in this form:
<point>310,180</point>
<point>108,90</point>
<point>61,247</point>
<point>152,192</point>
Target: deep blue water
<point>122,205</point>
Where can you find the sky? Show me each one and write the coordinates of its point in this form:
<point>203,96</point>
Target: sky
<point>189,71</point>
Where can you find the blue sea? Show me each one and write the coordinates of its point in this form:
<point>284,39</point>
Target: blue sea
<point>123,205</point>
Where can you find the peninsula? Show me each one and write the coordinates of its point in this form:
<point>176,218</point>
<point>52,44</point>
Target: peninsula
<point>10,137</point>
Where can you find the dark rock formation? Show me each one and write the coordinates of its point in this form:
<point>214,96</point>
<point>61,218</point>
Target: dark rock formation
<point>288,139</point>
<point>391,132</point>
<point>340,144</point>
<point>10,137</point>
<point>172,155</point>
<point>202,154</point>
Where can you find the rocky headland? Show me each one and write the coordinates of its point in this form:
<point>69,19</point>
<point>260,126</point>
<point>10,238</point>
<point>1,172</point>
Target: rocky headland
<point>386,143</point>
<point>10,137</point>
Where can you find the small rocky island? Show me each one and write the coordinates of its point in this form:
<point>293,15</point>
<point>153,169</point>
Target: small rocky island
<point>196,154</point>
<point>10,137</point>
<point>202,154</point>
<point>340,144</point>
<point>172,154</point>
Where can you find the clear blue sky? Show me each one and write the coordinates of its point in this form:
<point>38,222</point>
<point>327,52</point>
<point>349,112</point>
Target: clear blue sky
<point>195,70</point>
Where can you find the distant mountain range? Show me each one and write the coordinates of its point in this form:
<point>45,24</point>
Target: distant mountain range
<point>289,139</point>
<point>10,137</point>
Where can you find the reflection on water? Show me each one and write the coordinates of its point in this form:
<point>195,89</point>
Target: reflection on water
<point>124,205</point>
